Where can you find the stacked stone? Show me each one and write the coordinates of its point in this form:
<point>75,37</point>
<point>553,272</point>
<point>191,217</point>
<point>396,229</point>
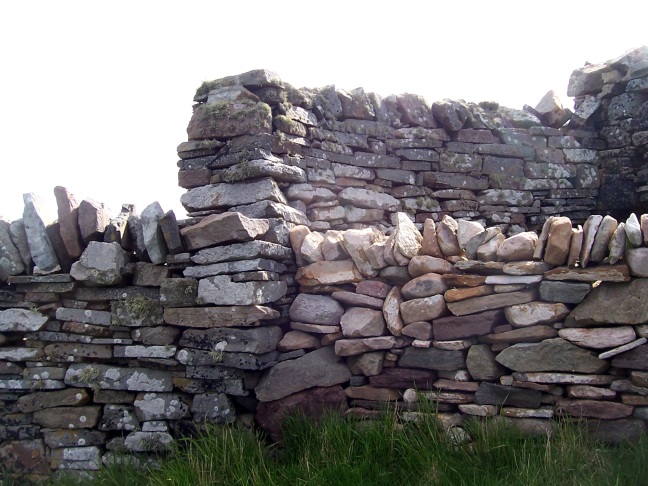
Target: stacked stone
<point>612,98</point>
<point>348,160</point>
<point>479,324</point>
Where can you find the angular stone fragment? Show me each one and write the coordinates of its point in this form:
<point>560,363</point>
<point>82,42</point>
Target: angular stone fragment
<point>481,363</point>
<point>432,359</point>
<point>222,228</point>
<point>599,337</point>
<point>118,378</point>
<point>589,234</point>
<point>21,320</point>
<point>488,251</point>
<point>329,273</point>
<point>100,264</point>
<point>617,244</point>
<point>566,292</point>
<point>447,236</point>
<point>311,248</point>
<point>367,364</point>
<point>407,237</point>
<point>228,195</point>
<point>93,219</point>
<point>364,198</point>
<point>457,295</point>
<point>294,340</point>
<point>362,322</point>
<point>558,241</point>
<point>359,300</point>
<point>316,309</point>
<point>10,260</point>
<point>254,340</point>
<point>355,242</point>
<point>630,305</point>
<point>429,244</point>
<point>425,264</point>
<point>535,313</point>
<point>153,237</point>
<point>318,368</point>
<point>68,417</point>
<point>551,355</point>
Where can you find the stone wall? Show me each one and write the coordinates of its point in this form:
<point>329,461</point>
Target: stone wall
<point>342,251</point>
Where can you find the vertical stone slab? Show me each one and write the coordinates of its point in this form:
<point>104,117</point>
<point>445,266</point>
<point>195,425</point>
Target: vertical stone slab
<point>93,219</point>
<point>68,216</point>
<point>153,237</point>
<point>40,246</point>
<point>10,261</point>
<point>19,239</point>
<point>117,230</point>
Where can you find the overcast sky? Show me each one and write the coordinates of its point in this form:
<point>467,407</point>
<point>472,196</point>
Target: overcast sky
<point>95,96</point>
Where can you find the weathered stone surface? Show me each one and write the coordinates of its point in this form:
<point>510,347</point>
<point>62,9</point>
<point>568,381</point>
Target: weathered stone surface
<point>589,234</point>
<point>558,241</point>
<point>599,337</point>
<point>161,406</point>
<point>635,359</point>
<point>140,441</point>
<point>622,349</point>
<point>407,238</point>
<point>447,236</point>
<point>41,400</point>
<point>223,228</point>
<point>220,290</point>
<point>365,198</point>
<point>451,327</point>
<point>602,239</point>
<point>21,320</point>
<point>488,251</point>
<point>311,403</point>
<point>425,309</point>
<point>68,417</point>
<point>551,355</point>
<point>316,309</point>
<point>228,195</point>
<point>423,264</point>
<point>237,268</point>
<point>10,260</point>
<point>424,286</point>
<point>477,304</point>
<point>630,306</point>
<point>604,273</point>
<point>594,408</point>
<point>153,236</point>
<point>156,336</point>
<point>320,368</point>
<point>271,210</point>
<point>226,316</point>
<point>370,392</point>
<point>456,295</point>
<point>367,364</point>
<point>481,363</point>
<point>136,312</point>
<point>351,347</point>
<point>518,247</point>
<point>404,378</point>
<point>118,417</point>
<point>171,233</point>
<point>355,243</point>
<point>25,457</point>
<point>35,220</point>
<point>429,244</point>
<point>100,264</point>
<point>590,392</point>
<point>566,292</point>
<point>86,316</point>
<point>535,313</point>
<point>329,273</point>
<point>616,431</point>
<point>391,311</point>
<point>637,260</point>
<point>112,377</point>
<point>362,322</point>
<point>492,394</point>
<point>359,300</point>
<point>73,352</point>
<point>432,359</point>
<point>617,244</point>
<point>528,334</point>
<point>255,340</point>
<point>294,340</point>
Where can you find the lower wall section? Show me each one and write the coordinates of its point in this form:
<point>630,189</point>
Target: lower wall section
<point>525,328</point>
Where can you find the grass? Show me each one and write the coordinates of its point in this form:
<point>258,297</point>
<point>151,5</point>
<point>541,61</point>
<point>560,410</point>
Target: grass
<point>343,452</point>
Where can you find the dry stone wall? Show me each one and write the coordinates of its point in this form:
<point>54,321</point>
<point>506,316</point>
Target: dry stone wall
<point>342,251</point>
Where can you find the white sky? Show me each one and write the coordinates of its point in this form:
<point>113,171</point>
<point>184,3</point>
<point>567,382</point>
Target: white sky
<point>95,96</point>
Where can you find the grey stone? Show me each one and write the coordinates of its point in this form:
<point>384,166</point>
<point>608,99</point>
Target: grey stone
<point>551,355</point>
<point>271,209</point>
<point>637,260</point>
<point>432,359</point>
<point>21,320</point>
<point>19,239</point>
<point>137,312</point>
<point>93,219</point>
<point>316,309</point>
<point>362,322</point>
<point>110,377</point>
<point>492,394</point>
<point>630,305</point>
<point>117,229</point>
<point>228,195</point>
<point>153,237</point>
<point>171,233</point>
<point>318,368</point>
<point>222,228</point>
<point>161,406</point>
<point>100,264</point>
<point>213,407</point>
<point>235,267</point>
<point>242,251</point>
<point>254,340</point>
<point>222,316</point>
<point>118,418</point>
<point>40,246</point>
<point>481,363</point>
<point>424,309</point>
<point>10,261</point>
<point>364,198</point>
<point>566,292</point>
<point>148,441</point>
<point>220,290</point>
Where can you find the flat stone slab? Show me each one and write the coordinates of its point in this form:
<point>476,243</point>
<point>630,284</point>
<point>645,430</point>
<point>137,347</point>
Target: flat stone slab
<point>564,378</point>
<point>565,292</point>
<point>493,394</point>
<point>318,368</point>
<point>604,273</point>
<point>242,251</point>
<point>551,355</point>
<point>329,273</point>
<point>228,195</point>
<point>454,327</point>
<point>21,320</point>
<point>614,303</point>
<point>599,337</point>
<point>226,316</point>
<point>235,267</point>
<point>220,290</point>
<point>255,340</point>
<point>432,359</point>
<point>118,378</point>
<point>478,304</point>
<point>216,229</point>
<point>351,347</point>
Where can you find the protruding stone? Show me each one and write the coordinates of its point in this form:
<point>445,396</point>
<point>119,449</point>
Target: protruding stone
<point>467,230</point>
<point>362,322</point>
<point>318,368</point>
<point>10,261</point>
<point>518,247</point>
<point>93,219</point>
<point>551,355</point>
<point>228,195</point>
<point>311,248</point>
<point>566,292</point>
<point>604,273</point>
<point>633,230</point>
<point>477,304</point>
<point>21,320</point>
<point>117,230</point>
<point>429,244</point>
<point>447,236</point>
<point>223,228</point>
<point>40,246</point>
<point>355,242</point>
<point>351,347</point>
<point>391,311</point>
<point>599,337</point>
<point>294,340</point>
<point>558,241</point>
<point>153,237</point>
<point>364,198</point>
<point>589,234</point>
<point>100,264</point>
<point>533,313</point>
